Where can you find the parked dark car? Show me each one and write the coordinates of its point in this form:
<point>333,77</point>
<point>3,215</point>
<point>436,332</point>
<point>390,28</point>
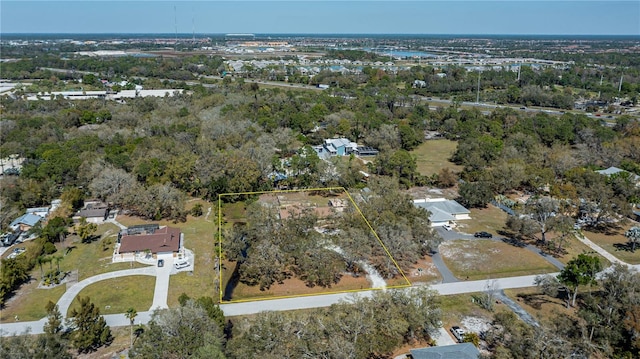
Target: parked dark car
<point>483,235</point>
<point>160,262</point>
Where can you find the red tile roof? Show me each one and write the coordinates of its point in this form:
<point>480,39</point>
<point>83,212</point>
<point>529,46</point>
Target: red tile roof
<point>165,239</point>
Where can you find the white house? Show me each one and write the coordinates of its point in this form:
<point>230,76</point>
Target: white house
<point>443,211</point>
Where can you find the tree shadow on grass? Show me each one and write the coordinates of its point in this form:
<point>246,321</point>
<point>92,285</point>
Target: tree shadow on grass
<point>536,300</point>
<point>627,247</point>
<point>231,284</point>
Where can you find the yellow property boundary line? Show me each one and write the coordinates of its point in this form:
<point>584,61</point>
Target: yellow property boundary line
<point>221,289</point>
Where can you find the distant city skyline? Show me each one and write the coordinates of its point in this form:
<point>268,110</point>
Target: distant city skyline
<point>506,17</point>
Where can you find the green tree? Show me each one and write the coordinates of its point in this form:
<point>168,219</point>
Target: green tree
<point>579,271</point>
<point>85,230</point>
<point>90,329</point>
<point>183,332</point>
<point>475,194</point>
<point>633,236</point>
<point>53,325</point>
<point>131,314</point>
<point>56,229</point>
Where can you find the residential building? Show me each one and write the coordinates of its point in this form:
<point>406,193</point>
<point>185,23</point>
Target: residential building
<point>25,222</point>
<point>152,239</point>
<point>94,212</point>
<point>442,211</point>
<point>342,147</point>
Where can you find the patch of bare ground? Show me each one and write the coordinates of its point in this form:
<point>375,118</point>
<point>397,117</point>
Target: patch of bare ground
<point>295,287</point>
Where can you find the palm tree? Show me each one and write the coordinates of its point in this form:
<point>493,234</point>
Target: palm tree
<point>58,259</point>
<point>131,314</point>
<point>40,260</point>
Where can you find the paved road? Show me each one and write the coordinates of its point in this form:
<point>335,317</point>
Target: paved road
<point>447,275</point>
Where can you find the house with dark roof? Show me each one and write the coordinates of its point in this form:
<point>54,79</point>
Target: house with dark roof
<point>154,240</point>
<point>442,211</point>
<point>94,211</point>
<point>456,351</point>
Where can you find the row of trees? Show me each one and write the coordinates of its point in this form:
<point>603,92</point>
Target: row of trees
<point>357,328</point>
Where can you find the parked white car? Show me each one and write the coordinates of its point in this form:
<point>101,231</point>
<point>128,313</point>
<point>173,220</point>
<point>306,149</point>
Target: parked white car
<point>447,227</point>
<point>181,264</point>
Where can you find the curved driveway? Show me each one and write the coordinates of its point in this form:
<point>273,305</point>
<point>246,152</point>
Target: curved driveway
<point>67,298</point>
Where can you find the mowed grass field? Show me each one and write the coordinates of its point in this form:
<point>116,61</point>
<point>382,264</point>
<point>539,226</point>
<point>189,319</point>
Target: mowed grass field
<point>491,219</point>
<point>116,295</point>
<point>614,242</point>
<point>484,259</point>
<point>433,155</point>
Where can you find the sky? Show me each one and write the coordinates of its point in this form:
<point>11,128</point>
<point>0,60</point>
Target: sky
<point>474,17</point>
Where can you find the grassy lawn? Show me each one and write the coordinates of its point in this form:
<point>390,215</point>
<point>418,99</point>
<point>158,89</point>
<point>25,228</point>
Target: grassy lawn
<point>573,247</point>
<point>29,302</point>
<point>433,155</point>
<point>614,242</point>
<point>199,237</point>
<point>540,306</point>
<point>116,295</point>
<point>490,219</point>
<point>93,258</point>
<point>482,259</point>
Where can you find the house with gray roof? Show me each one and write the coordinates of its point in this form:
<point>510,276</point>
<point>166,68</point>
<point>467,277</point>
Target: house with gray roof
<point>342,147</point>
<point>456,351</point>
<point>615,170</point>
<point>25,222</point>
<point>443,211</point>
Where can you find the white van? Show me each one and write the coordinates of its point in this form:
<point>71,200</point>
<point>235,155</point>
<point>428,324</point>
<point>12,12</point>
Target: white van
<point>181,264</point>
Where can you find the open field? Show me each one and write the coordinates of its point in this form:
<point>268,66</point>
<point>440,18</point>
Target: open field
<point>288,203</point>
<point>490,219</point>
<point>484,259</point>
<point>614,242</point>
<point>433,155</point>
<point>199,234</point>
<point>123,293</point>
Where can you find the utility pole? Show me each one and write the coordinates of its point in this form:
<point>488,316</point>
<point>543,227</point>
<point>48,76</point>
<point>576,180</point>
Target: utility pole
<point>601,77</point>
<point>620,86</point>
